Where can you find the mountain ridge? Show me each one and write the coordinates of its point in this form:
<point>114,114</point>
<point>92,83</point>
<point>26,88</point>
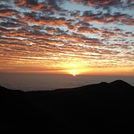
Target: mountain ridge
<point>103,107</point>
<point>114,83</point>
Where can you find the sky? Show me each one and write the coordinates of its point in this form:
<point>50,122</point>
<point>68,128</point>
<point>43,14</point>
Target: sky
<point>49,82</point>
<point>67,36</point>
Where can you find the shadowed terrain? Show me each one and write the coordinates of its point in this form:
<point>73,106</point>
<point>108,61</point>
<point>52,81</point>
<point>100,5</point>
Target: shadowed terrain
<point>103,107</point>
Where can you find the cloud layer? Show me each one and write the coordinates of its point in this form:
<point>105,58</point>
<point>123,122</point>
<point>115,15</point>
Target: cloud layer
<point>58,35</point>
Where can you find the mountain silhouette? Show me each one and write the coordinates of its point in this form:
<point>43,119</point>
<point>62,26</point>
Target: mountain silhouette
<point>97,108</point>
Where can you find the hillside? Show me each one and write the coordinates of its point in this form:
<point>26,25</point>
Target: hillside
<point>103,107</point>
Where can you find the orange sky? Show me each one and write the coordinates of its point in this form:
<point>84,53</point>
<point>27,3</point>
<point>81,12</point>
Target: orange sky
<point>71,37</point>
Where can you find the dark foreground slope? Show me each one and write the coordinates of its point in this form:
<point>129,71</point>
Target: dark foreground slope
<point>103,107</point>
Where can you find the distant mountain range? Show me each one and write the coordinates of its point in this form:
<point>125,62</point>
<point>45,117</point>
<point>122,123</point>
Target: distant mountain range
<point>106,108</point>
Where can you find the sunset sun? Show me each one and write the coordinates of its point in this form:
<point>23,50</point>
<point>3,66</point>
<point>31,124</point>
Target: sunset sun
<point>73,72</point>
<point>74,67</point>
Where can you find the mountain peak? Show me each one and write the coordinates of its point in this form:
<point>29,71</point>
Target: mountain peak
<point>120,83</point>
<point>103,83</point>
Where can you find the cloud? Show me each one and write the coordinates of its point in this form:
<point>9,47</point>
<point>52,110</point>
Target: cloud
<point>32,2</point>
<point>95,2</point>
<point>128,21</point>
<point>26,2</point>
<point>104,3</point>
<point>77,25</point>
<point>54,4</point>
<point>7,12</point>
<point>43,20</point>
<point>87,30</point>
<point>40,32</point>
<point>107,18</point>
<point>9,24</point>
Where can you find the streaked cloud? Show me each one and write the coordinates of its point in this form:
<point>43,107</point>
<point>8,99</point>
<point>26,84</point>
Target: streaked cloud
<point>45,34</point>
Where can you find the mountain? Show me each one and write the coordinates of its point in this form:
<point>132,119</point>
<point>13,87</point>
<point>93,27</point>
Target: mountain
<point>97,108</point>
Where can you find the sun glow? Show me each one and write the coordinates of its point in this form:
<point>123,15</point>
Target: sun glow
<point>73,72</point>
<point>75,66</point>
<point>76,72</point>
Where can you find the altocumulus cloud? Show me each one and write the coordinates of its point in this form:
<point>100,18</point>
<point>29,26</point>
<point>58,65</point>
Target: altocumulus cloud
<point>52,31</point>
